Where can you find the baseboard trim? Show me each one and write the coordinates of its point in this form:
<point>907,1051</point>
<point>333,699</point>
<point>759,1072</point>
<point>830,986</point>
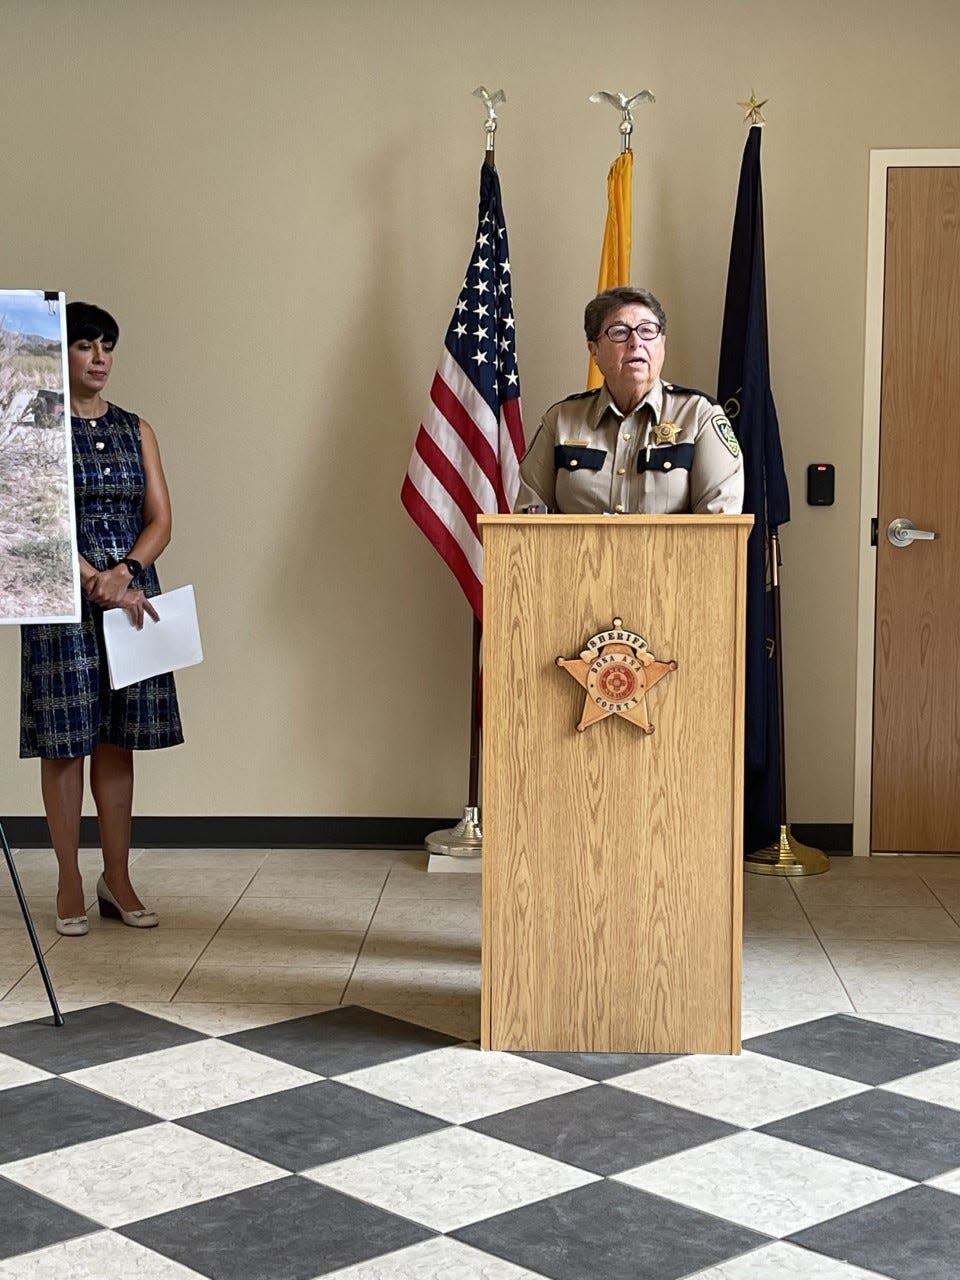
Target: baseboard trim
<point>245,833</point>
<point>317,833</point>
<point>829,837</point>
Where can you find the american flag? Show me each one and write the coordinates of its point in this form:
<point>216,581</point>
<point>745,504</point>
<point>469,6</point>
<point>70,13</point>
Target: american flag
<point>467,453</point>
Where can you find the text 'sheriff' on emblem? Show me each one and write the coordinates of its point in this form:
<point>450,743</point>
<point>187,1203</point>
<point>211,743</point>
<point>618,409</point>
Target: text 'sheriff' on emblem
<point>616,668</point>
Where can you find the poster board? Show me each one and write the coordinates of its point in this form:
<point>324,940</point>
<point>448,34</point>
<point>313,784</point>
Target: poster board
<point>39,570</point>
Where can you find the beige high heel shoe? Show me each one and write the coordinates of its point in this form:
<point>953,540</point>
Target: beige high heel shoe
<point>72,926</point>
<point>110,909</point>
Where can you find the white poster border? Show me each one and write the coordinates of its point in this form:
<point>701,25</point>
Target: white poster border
<point>47,295</point>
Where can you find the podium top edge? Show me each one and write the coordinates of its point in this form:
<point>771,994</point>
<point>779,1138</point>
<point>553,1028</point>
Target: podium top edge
<point>745,521</point>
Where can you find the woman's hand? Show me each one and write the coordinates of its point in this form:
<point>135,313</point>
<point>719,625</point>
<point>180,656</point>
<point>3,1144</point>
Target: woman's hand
<point>137,605</point>
<point>110,587</point>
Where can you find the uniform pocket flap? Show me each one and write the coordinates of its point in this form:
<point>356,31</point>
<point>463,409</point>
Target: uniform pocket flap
<point>573,457</point>
<point>667,458</point>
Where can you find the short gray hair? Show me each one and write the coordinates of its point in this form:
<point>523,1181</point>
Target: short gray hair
<point>599,308</point>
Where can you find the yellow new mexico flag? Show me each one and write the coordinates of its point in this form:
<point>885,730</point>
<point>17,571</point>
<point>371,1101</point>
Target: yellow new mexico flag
<point>615,254</point>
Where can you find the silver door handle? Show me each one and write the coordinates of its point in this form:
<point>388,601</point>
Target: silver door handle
<point>901,532</point>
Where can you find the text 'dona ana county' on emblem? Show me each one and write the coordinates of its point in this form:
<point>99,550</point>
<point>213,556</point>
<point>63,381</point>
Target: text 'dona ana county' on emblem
<point>617,669</point>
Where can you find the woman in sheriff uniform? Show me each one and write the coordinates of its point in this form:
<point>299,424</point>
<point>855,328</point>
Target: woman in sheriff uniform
<point>637,444</point>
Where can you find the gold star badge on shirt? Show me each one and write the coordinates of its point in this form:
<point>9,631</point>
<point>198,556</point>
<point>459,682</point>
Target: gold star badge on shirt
<point>666,432</point>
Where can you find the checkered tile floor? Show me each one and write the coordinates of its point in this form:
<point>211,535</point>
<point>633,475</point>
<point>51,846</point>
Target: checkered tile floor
<point>355,1145</point>
<point>224,1102</point>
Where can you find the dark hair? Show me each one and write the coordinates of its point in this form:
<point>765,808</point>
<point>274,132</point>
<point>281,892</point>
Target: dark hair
<point>85,322</point>
<point>599,308</point>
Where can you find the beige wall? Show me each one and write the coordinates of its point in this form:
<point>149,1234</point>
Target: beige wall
<point>277,201</point>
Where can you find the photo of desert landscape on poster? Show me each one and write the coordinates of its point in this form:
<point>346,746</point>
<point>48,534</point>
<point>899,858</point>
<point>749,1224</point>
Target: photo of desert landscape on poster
<point>39,579</point>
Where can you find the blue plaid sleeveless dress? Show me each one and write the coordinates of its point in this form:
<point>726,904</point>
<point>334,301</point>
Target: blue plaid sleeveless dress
<point>66,704</point>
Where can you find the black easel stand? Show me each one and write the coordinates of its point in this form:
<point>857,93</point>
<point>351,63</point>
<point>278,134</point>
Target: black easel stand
<point>28,921</point>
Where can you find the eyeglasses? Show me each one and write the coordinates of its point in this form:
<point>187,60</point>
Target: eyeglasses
<point>647,330</point>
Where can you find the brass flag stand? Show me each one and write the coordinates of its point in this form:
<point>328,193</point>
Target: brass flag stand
<point>786,856</point>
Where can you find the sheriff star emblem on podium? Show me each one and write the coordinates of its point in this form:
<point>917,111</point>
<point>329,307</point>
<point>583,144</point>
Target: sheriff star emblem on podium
<point>617,669</point>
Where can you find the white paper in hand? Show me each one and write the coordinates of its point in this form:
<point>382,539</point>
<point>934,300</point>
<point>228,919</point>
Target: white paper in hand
<point>167,645</point>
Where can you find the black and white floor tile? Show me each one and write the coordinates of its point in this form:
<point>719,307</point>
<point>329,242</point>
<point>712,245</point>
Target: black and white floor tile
<point>283,1083</point>
<point>354,1145</point>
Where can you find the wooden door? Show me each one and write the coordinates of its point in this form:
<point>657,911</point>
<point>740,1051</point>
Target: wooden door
<point>916,727</point>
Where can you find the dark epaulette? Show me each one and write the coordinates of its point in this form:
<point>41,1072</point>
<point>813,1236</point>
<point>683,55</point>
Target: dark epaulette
<point>677,390</point>
<point>577,395</point>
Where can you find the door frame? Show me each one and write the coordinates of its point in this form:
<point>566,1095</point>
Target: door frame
<point>880,162</point>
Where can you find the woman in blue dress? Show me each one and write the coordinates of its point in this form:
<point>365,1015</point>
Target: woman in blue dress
<point>68,710</point>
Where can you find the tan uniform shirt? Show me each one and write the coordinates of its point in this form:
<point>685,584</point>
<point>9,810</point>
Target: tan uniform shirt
<point>676,452</point>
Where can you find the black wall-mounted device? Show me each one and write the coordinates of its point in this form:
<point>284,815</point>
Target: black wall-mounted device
<point>820,484</point>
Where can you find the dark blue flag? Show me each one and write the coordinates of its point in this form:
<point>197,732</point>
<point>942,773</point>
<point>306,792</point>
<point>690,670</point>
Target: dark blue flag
<point>744,390</point>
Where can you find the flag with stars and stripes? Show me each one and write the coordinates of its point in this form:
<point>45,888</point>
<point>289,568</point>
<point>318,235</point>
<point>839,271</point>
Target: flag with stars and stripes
<point>467,453</point>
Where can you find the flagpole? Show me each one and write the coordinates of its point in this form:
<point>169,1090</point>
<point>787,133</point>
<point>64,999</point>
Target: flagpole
<point>616,247</point>
<point>465,840</point>
<point>786,856</point>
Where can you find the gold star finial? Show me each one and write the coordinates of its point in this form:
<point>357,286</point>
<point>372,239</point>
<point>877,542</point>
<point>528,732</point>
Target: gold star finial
<point>752,107</point>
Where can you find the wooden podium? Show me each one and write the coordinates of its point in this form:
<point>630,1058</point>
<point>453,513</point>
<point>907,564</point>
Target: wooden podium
<point>612,858</point>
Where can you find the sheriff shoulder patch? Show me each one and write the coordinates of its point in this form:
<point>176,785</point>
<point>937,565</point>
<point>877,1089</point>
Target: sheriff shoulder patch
<point>726,433</point>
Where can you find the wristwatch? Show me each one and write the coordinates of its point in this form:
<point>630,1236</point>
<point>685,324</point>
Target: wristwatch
<point>134,566</point>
